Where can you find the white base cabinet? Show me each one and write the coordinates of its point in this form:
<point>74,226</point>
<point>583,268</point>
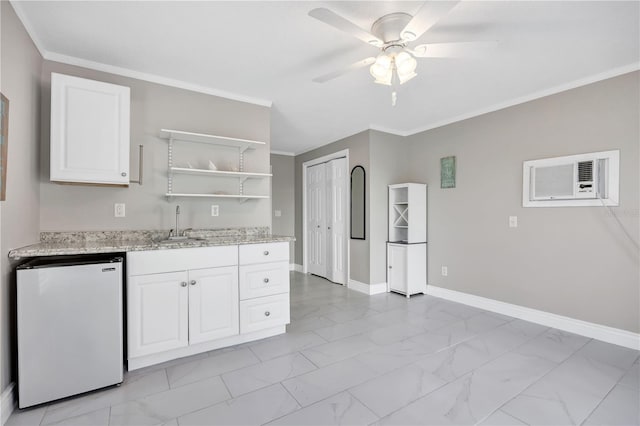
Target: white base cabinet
<point>185,301</point>
<point>407,268</point>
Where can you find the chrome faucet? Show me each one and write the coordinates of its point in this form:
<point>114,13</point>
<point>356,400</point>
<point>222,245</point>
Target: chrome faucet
<point>177,220</point>
<point>175,234</point>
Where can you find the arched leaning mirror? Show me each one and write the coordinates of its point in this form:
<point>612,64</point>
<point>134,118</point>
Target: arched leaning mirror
<point>358,184</point>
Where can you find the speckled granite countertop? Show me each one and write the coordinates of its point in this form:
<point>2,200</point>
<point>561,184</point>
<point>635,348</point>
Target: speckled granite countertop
<point>92,242</point>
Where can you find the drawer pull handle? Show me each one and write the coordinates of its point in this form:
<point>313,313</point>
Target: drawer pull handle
<point>183,283</point>
<point>192,282</point>
<point>267,313</point>
<point>266,280</point>
<point>266,253</point>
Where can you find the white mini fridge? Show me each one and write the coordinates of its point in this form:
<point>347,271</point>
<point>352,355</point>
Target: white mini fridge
<point>70,333</point>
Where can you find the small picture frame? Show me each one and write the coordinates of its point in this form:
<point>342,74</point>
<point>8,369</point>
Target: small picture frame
<point>448,172</point>
<point>4,142</point>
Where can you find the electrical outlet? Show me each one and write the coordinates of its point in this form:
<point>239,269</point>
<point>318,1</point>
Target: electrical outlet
<point>513,221</point>
<point>118,210</point>
<point>277,213</point>
<point>445,271</point>
<point>215,211</point>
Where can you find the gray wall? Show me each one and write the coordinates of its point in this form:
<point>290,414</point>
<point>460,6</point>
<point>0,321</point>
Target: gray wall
<point>153,107</point>
<point>389,156</point>
<point>282,189</point>
<point>19,223</point>
<point>358,146</point>
<point>572,261</point>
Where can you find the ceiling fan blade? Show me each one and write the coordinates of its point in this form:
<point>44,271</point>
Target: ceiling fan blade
<point>352,67</point>
<point>342,24</point>
<point>452,50</point>
<point>426,17</point>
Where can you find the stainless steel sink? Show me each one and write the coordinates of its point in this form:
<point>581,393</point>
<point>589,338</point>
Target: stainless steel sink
<point>178,240</point>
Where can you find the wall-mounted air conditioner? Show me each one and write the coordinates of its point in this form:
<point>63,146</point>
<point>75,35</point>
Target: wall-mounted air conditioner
<point>576,180</point>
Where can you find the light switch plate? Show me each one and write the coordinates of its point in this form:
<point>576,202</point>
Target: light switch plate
<point>513,221</point>
<point>445,271</point>
<point>215,211</point>
<point>277,213</point>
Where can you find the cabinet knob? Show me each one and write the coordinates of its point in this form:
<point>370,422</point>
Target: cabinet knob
<point>192,282</point>
<point>266,253</point>
<point>389,266</point>
<point>183,283</point>
<point>328,227</point>
<point>267,313</point>
<point>123,174</point>
<point>266,280</point>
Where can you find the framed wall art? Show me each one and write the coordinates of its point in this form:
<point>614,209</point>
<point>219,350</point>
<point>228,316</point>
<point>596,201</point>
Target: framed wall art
<point>448,172</point>
<point>4,142</point>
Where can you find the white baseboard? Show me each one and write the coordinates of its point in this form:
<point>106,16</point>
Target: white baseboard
<point>297,268</point>
<point>7,403</point>
<point>595,331</point>
<point>369,289</point>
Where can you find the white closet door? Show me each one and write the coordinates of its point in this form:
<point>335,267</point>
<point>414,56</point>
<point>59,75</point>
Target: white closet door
<point>316,220</point>
<point>337,220</point>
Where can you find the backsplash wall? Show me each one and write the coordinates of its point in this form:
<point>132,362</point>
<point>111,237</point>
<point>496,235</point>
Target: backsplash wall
<point>153,107</point>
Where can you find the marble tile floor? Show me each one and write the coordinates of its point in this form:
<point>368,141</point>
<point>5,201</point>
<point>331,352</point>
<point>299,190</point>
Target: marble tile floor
<point>353,359</point>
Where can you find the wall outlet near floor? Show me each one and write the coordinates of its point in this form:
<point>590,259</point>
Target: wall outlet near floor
<point>277,213</point>
<point>118,210</point>
<point>445,271</point>
<point>215,211</point>
<point>513,221</point>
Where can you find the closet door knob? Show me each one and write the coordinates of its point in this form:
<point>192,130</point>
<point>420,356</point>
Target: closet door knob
<point>192,282</point>
<point>266,253</point>
<point>267,313</point>
<point>266,280</point>
<point>389,266</point>
<point>183,283</point>
<point>123,174</point>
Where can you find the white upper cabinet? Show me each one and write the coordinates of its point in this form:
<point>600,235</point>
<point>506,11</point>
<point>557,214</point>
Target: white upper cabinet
<point>89,131</point>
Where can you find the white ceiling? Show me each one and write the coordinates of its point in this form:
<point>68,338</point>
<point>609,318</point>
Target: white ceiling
<point>270,51</point>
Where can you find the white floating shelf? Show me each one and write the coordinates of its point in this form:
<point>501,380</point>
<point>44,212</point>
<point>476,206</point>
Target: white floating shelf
<point>220,173</point>
<point>237,196</point>
<point>243,144</point>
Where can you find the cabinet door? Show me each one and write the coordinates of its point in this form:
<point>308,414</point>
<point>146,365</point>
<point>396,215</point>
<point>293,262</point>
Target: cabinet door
<point>397,268</point>
<point>157,314</point>
<point>213,304</point>
<point>89,131</point>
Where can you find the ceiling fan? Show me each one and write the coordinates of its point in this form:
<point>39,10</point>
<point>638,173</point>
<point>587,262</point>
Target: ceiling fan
<point>392,34</point>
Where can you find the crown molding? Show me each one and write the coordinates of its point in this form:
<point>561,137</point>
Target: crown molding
<point>288,154</point>
<point>126,72</point>
<point>527,98</point>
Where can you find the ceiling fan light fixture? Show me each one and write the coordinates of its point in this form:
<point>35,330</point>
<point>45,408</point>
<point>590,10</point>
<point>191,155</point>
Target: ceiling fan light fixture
<point>406,77</point>
<point>382,69</point>
<point>405,63</point>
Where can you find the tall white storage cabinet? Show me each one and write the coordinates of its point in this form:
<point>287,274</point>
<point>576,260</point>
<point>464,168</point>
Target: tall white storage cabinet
<point>407,245</point>
<point>89,131</point>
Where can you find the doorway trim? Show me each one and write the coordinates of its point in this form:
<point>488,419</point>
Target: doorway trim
<point>313,162</point>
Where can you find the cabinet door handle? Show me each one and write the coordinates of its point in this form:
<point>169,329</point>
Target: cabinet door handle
<point>192,282</point>
<point>267,313</point>
<point>123,174</point>
<point>389,266</point>
<point>183,283</point>
<point>266,253</point>
<point>266,280</point>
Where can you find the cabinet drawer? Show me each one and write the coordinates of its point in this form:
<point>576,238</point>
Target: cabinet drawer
<point>264,312</point>
<point>157,261</point>
<point>263,279</point>
<point>263,253</point>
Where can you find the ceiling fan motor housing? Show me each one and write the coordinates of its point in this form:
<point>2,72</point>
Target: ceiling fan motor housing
<point>389,28</point>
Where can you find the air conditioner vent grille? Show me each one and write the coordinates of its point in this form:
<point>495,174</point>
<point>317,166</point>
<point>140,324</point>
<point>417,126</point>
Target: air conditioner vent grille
<point>585,171</point>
